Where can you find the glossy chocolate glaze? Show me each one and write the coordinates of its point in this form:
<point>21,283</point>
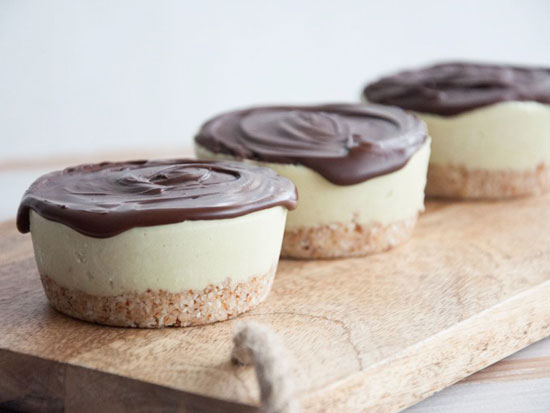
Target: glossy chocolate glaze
<point>103,200</point>
<point>453,88</point>
<point>347,144</point>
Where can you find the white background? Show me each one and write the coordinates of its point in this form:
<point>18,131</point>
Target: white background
<point>81,76</point>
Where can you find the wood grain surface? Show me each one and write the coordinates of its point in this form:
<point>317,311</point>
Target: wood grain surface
<point>377,333</point>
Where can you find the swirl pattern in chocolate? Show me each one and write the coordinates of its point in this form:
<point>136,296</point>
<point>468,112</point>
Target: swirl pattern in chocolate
<point>346,144</point>
<point>453,88</point>
<point>103,200</point>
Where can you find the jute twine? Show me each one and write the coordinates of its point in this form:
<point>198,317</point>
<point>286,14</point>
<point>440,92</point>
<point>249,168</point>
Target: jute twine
<point>256,344</point>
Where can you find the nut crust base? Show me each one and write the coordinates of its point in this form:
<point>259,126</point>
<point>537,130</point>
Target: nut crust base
<point>451,181</point>
<point>345,239</point>
<point>160,308</point>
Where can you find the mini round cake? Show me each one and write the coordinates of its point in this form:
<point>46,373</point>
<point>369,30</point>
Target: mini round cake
<point>157,243</point>
<point>360,171</point>
<point>490,126</point>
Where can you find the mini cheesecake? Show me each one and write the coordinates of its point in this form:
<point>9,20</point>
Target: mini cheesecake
<point>490,126</point>
<point>360,171</point>
<point>157,243</point>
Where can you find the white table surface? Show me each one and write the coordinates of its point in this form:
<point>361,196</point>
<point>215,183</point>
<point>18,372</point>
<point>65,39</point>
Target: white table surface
<point>520,383</point>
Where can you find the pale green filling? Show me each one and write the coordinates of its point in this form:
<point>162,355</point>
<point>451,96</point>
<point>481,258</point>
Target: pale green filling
<point>174,257</point>
<point>388,198</point>
<point>503,136</point>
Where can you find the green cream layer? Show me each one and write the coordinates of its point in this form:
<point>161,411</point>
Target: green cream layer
<point>388,198</point>
<point>502,136</point>
<point>174,257</point>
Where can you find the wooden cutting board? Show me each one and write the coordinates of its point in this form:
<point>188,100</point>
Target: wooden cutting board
<point>377,333</point>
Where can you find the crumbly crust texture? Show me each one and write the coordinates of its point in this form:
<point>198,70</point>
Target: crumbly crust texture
<point>160,308</point>
<point>451,181</point>
<point>341,240</point>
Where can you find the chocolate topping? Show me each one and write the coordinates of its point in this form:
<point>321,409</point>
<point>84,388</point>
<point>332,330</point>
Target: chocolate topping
<point>103,200</point>
<point>347,144</point>
<point>452,88</point>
